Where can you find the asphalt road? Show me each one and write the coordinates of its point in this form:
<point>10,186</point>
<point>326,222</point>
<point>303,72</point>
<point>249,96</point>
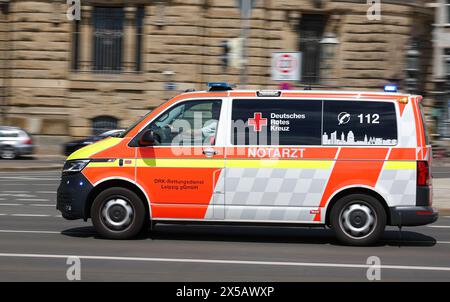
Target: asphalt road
<point>35,243</point>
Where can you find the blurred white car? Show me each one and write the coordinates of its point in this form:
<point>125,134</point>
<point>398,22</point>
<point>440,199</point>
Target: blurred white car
<point>15,142</point>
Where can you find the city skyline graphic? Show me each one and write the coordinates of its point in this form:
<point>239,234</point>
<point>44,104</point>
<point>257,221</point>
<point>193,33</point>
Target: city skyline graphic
<point>349,139</point>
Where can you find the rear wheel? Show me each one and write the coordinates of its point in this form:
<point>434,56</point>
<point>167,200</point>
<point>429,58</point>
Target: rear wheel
<point>118,213</point>
<point>8,152</point>
<point>358,219</point>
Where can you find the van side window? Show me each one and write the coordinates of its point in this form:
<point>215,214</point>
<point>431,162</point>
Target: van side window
<point>190,123</point>
<point>424,123</point>
<point>276,122</point>
<point>359,123</point>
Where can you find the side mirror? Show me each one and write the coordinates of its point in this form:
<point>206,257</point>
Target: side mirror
<point>147,139</point>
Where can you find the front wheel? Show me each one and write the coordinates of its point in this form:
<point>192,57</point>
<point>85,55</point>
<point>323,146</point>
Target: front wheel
<point>358,219</point>
<point>118,213</point>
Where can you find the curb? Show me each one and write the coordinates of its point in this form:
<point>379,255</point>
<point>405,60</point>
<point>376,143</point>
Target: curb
<point>444,211</point>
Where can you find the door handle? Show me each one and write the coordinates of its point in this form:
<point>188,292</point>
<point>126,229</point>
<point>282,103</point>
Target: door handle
<point>210,152</point>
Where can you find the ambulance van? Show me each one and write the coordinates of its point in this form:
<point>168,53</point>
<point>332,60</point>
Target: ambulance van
<point>351,161</point>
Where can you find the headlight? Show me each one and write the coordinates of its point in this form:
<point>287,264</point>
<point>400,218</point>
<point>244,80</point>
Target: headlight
<point>74,166</point>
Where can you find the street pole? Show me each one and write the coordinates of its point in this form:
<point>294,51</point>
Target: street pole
<point>246,10</point>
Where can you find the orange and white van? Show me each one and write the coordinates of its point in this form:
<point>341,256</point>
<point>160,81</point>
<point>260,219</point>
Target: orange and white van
<point>353,161</point>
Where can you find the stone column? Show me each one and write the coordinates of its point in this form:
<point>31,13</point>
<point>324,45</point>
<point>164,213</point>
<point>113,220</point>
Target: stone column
<point>86,36</point>
<point>129,39</point>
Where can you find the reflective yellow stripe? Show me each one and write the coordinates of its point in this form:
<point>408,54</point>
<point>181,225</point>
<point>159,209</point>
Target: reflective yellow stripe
<point>126,162</point>
<point>400,165</point>
<point>242,163</point>
<point>280,164</point>
<point>181,163</point>
<point>90,150</point>
<point>103,164</point>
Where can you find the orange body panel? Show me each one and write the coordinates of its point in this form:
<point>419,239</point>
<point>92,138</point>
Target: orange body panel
<point>97,174</point>
<point>179,211</point>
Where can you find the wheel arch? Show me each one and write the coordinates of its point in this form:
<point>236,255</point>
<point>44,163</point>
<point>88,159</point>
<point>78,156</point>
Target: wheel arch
<point>355,190</point>
<point>119,182</point>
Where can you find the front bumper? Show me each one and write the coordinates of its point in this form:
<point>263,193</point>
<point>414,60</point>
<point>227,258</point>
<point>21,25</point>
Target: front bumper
<point>413,216</point>
<point>72,196</point>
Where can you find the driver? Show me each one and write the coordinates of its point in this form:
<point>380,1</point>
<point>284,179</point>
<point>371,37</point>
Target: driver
<point>209,129</point>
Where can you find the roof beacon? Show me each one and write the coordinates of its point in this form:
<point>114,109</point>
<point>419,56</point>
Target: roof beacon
<point>268,93</point>
<point>219,86</point>
<point>390,88</point>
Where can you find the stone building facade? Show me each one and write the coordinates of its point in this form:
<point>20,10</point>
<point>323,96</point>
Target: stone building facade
<point>440,114</point>
<point>63,78</point>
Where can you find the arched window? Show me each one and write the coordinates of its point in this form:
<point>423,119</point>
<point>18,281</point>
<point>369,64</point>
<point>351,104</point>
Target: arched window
<point>103,123</point>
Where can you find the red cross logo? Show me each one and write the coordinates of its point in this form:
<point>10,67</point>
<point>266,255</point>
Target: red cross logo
<point>257,121</point>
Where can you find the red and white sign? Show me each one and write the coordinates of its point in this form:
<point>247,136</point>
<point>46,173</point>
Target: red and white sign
<point>257,121</point>
<point>286,66</point>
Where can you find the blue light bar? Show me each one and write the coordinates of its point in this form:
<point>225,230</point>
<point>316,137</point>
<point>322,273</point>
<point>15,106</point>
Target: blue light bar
<point>219,86</point>
<point>390,88</point>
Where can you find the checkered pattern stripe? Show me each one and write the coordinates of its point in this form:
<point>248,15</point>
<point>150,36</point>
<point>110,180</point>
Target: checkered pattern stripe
<point>275,187</point>
<point>398,187</point>
<point>264,213</point>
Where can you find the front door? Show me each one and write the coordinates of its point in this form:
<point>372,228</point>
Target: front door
<point>181,172</point>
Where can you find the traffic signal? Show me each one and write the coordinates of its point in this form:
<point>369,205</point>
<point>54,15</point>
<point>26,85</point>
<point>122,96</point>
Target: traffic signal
<point>224,57</point>
<point>232,53</point>
<point>235,56</point>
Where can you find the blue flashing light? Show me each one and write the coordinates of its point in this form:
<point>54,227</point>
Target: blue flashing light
<point>219,86</point>
<point>390,88</point>
<point>81,183</point>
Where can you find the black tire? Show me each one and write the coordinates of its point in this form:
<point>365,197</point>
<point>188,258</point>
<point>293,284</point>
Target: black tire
<point>137,220</point>
<point>354,207</point>
<point>8,152</point>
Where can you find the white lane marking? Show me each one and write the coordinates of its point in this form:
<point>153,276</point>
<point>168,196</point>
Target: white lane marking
<point>225,261</point>
<point>19,195</point>
<point>31,232</point>
<point>30,205</point>
<point>23,192</point>
<point>46,192</point>
<point>30,215</point>
<point>44,232</point>
<point>32,199</point>
<point>11,178</point>
<point>439,226</point>
<point>2,199</point>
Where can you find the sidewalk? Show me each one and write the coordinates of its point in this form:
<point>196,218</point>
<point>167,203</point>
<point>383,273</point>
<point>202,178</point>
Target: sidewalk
<point>441,195</point>
<point>36,163</point>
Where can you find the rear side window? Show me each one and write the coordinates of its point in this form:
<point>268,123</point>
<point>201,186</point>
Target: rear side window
<point>359,123</point>
<point>424,123</point>
<point>276,122</point>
